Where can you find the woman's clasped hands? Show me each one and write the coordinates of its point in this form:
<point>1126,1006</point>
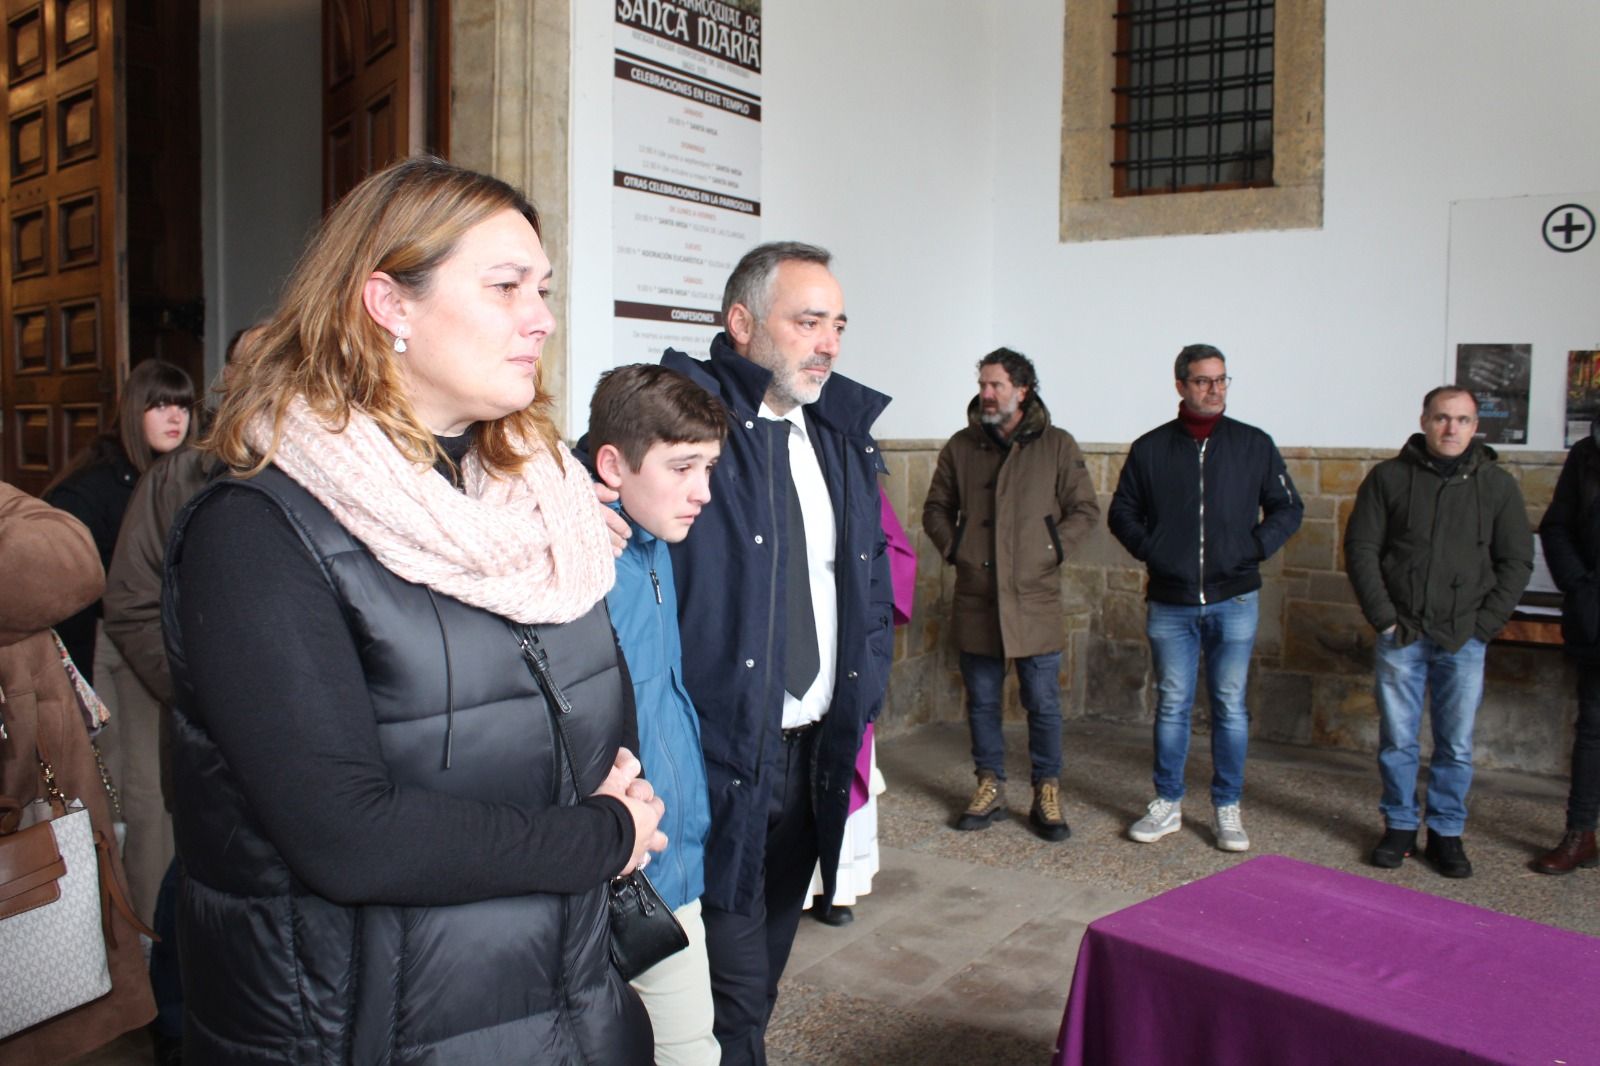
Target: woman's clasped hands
<point>624,783</point>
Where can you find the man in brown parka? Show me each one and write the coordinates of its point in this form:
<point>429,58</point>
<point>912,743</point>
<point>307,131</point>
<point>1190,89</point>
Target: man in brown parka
<point>1010,499</point>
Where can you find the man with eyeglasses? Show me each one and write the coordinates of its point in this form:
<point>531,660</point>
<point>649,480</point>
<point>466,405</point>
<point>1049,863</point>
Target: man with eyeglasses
<point>1438,551</point>
<point>1009,501</point>
<point>1202,501</point>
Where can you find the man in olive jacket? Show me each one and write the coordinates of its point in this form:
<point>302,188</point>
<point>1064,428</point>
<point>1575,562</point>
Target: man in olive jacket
<point>1009,501</point>
<point>1438,551</point>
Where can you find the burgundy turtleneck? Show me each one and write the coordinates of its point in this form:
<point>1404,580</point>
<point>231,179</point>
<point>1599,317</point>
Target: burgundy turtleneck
<point>1198,425</point>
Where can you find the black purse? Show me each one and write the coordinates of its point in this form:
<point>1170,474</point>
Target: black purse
<point>643,928</point>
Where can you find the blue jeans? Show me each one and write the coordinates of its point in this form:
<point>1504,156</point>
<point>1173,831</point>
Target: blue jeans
<point>1454,681</point>
<point>1226,634</point>
<point>1040,679</point>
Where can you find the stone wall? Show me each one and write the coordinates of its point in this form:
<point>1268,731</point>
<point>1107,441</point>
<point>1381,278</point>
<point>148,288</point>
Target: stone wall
<point>1311,678</point>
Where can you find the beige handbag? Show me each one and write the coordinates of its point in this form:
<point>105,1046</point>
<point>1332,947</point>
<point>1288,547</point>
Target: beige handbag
<point>56,891</point>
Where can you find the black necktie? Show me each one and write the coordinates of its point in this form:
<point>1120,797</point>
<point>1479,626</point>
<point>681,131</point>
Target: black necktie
<point>801,660</point>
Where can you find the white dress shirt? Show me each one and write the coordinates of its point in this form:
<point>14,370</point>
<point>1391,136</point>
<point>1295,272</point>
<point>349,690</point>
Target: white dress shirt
<point>816,507</point>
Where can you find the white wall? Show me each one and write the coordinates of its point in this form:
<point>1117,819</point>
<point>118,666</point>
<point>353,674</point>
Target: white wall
<point>261,131</point>
<point>920,140</point>
<point>1333,335</point>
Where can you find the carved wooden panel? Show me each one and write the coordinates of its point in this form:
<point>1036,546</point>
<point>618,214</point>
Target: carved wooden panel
<point>80,335</point>
<point>28,152</point>
<point>29,247</point>
<point>339,162</point>
<point>380,20</point>
<point>63,333</point>
<point>77,129</point>
<point>80,425</point>
<point>78,231</point>
<point>75,30</point>
<point>31,442</point>
<point>25,44</point>
<point>376,56</point>
<point>382,139</point>
<point>338,42</point>
<point>30,340</point>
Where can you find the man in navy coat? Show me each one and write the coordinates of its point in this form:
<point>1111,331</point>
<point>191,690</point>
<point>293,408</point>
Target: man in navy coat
<point>786,611</point>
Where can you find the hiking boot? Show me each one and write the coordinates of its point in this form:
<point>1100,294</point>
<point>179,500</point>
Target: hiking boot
<point>1230,829</point>
<point>1046,812</point>
<point>1161,818</point>
<point>988,803</point>
<point>1447,855</point>
<point>1395,848</point>
<point>1576,849</point>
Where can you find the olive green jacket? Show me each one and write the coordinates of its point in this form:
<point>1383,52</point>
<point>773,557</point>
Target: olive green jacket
<point>1442,558</point>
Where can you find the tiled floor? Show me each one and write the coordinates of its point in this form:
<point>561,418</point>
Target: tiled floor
<point>963,952</point>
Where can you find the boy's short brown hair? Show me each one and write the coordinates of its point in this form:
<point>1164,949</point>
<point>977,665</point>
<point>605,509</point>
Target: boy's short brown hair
<point>636,407</point>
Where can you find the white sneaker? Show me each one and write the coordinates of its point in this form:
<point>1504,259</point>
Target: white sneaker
<point>1230,830</point>
<point>1161,819</point>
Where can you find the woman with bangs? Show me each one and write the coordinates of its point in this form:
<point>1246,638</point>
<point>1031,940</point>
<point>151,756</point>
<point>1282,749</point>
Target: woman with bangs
<point>402,748</point>
<point>152,418</point>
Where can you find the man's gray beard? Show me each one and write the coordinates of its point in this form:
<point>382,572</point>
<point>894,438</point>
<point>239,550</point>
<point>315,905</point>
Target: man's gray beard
<point>787,384</point>
<point>998,417</point>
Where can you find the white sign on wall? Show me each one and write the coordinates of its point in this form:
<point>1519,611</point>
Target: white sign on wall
<point>1523,276</point>
<point>686,122</point>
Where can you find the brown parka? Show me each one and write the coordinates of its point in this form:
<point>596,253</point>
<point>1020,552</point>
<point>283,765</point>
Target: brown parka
<point>49,570</point>
<point>1008,517</point>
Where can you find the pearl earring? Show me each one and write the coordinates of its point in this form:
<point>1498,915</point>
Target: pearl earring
<point>399,344</point>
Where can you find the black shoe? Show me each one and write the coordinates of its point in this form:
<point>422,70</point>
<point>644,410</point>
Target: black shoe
<point>834,916</point>
<point>1396,846</point>
<point>1448,856</point>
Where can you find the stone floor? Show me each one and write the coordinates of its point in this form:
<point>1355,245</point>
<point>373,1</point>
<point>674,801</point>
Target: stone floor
<point>963,952</point>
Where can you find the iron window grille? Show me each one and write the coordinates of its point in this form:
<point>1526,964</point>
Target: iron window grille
<point>1193,96</point>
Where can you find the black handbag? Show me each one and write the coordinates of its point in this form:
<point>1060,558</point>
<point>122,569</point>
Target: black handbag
<point>643,930</point>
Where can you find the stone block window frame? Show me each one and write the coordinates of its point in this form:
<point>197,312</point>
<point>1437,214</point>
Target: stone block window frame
<point>1090,210</point>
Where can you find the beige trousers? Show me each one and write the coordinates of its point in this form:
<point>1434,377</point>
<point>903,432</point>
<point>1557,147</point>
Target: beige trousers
<point>677,994</point>
<point>129,743</point>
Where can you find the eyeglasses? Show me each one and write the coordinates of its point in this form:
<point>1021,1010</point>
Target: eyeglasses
<point>1209,383</point>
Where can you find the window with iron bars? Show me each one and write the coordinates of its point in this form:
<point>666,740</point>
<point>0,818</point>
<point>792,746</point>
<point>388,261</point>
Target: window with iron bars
<point>1193,96</point>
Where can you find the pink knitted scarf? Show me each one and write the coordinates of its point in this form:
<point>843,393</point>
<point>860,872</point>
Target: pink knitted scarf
<point>532,547</point>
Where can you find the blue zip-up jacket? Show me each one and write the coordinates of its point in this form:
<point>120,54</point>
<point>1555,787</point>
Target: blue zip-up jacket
<point>644,612</point>
<point>732,596</point>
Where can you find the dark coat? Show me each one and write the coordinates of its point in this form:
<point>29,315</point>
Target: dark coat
<point>275,971</point>
<point>1570,532</point>
<point>1235,481</point>
<point>1008,517</point>
<point>1445,558</point>
<point>49,569</point>
<point>96,495</point>
<point>731,604</point>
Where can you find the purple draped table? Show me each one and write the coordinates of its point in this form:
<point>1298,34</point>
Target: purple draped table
<point>1277,961</point>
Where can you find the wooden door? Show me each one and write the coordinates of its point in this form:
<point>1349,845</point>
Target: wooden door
<point>381,62</point>
<point>63,299</point>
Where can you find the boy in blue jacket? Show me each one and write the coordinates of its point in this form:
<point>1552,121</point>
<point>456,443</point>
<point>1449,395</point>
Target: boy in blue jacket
<point>654,436</point>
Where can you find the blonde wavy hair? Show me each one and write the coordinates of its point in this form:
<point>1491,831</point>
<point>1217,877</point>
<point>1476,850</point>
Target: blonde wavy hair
<point>322,344</point>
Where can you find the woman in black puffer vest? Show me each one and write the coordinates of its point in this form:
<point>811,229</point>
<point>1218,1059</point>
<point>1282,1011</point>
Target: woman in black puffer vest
<point>402,761</point>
